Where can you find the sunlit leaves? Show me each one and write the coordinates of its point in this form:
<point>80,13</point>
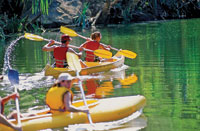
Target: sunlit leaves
<point>40,6</point>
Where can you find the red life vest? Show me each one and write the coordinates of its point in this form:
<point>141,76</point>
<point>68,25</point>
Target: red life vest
<point>60,56</point>
<point>92,45</point>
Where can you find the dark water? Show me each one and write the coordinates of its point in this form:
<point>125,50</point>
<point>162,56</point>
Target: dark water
<point>166,71</point>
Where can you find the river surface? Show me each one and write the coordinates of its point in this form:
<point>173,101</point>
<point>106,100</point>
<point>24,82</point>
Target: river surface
<point>166,71</point>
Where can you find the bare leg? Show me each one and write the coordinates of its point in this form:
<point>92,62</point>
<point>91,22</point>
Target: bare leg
<point>13,115</point>
<point>4,121</point>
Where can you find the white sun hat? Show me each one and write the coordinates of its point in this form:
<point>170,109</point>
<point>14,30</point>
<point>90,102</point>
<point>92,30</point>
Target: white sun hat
<point>64,76</point>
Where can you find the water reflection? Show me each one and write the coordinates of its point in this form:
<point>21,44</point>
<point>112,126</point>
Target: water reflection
<point>133,125</point>
<point>134,122</point>
<point>104,86</point>
<point>167,67</point>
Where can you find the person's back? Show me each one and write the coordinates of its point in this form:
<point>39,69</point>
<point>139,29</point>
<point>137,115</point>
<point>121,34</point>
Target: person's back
<point>93,45</point>
<point>60,56</point>
<point>60,50</point>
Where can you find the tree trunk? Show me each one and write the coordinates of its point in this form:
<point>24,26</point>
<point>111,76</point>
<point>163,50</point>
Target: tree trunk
<point>103,18</point>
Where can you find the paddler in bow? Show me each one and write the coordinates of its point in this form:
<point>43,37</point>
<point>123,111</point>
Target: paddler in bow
<point>59,97</point>
<point>60,50</point>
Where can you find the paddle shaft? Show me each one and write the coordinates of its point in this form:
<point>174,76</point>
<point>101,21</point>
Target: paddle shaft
<point>91,40</point>
<point>74,63</point>
<point>84,100</point>
<point>69,45</point>
<point>17,107</point>
<point>13,77</point>
<point>126,53</point>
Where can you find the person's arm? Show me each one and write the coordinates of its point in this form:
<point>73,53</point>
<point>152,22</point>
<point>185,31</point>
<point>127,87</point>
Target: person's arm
<point>7,98</point>
<point>105,47</point>
<point>83,65</point>
<point>4,121</point>
<point>70,107</point>
<point>83,45</point>
<point>50,46</point>
<point>78,54</point>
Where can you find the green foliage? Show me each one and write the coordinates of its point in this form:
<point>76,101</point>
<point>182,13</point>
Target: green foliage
<point>81,18</point>
<point>126,15</point>
<point>11,25</point>
<point>15,25</point>
<point>36,27</point>
<point>40,6</point>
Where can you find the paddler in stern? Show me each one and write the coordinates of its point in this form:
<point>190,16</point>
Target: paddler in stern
<point>60,50</point>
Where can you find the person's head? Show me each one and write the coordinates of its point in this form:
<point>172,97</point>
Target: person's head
<point>64,80</point>
<point>96,36</point>
<point>65,39</point>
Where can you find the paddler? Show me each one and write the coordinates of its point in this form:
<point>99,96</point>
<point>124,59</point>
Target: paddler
<point>60,50</point>
<point>93,44</point>
<point>3,119</point>
<point>59,97</point>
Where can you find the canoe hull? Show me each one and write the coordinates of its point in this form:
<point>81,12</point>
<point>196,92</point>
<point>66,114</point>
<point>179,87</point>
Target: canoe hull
<point>98,67</point>
<point>109,109</point>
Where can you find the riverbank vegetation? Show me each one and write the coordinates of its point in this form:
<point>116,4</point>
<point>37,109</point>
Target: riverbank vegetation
<point>36,15</point>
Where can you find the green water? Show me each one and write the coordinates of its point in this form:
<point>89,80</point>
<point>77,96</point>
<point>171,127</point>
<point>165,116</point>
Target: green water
<point>167,67</point>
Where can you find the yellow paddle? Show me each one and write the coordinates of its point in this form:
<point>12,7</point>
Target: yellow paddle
<point>70,32</point>
<point>101,53</point>
<point>74,63</point>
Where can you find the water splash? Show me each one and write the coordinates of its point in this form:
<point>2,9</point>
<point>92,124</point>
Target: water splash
<point>8,53</point>
<point>27,81</point>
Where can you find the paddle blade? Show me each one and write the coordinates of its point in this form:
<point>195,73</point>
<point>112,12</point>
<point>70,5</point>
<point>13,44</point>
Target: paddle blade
<point>68,31</point>
<point>73,61</point>
<point>13,76</point>
<point>33,37</point>
<point>128,53</point>
<point>103,53</point>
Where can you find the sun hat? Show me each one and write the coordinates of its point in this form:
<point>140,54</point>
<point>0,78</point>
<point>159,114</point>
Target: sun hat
<point>64,76</point>
<point>65,38</point>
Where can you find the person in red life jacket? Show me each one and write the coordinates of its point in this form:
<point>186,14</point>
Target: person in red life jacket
<point>60,50</point>
<point>59,97</point>
<point>93,44</point>
<point>3,119</point>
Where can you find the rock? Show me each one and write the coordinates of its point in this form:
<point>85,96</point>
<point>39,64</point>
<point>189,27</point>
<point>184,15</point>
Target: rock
<point>60,12</point>
<point>140,16</point>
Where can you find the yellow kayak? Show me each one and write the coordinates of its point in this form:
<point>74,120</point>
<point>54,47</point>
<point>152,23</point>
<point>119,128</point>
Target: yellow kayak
<point>92,67</point>
<point>102,110</point>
